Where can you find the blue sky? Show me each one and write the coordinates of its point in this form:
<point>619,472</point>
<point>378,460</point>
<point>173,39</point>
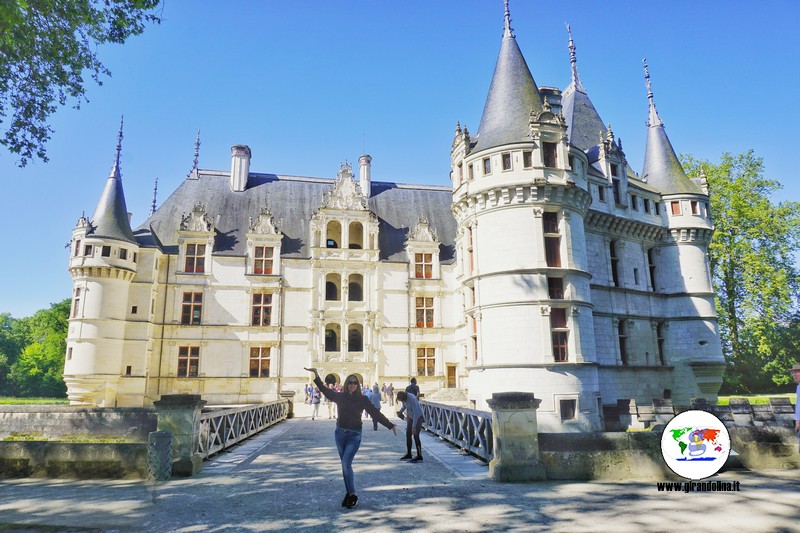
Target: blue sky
<point>309,84</point>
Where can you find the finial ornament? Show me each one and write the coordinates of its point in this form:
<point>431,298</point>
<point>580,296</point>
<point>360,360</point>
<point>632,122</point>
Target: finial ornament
<point>653,119</point>
<point>508,29</point>
<point>573,60</point>
<point>155,193</point>
<point>115,169</point>
<point>196,150</point>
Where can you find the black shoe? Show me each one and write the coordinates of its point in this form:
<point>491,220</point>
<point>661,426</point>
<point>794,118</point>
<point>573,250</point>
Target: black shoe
<point>406,457</point>
<point>346,499</point>
<point>353,501</point>
<point>417,459</point>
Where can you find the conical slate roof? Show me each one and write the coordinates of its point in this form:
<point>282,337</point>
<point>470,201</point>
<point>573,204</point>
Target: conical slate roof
<point>584,125</point>
<point>662,169</point>
<point>110,219</point>
<point>512,96</point>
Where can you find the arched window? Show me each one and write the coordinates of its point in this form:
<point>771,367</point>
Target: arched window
<point>331,339</point>
<point>332,287</point>
<point>355,338</point>
<point>356,237</point>
<point>355,288</point>
<point>334,234</point>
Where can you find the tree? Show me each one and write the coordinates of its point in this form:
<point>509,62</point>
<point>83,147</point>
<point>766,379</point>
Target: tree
<point>45,48</point>
<point>12,340</point>
<point>38,369</point>
<point>752,256</point>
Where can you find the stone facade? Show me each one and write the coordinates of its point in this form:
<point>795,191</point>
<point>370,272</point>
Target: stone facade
<point>549,266</point>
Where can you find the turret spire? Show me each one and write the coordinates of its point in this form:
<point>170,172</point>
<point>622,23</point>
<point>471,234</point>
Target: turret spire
<point>509,31</point>
<point>115,169</point>
<point>196,150</point>
<point>155,193</point>
<point>654,119</point>
<point>573,60</point>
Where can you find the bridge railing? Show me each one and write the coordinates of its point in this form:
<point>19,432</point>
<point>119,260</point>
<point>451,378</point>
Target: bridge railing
<point>222,428</point>
<point>468,429</point>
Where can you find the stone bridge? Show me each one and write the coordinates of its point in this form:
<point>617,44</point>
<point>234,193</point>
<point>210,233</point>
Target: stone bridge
<point>288,478</point>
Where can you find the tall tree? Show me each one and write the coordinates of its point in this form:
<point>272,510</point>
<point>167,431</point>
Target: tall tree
<point>38,369</point>
<point>12,340</point>
<point>45,48</point>
<point>752,256</point>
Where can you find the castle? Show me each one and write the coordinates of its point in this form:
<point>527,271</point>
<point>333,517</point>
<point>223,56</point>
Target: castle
<point>549,266</point>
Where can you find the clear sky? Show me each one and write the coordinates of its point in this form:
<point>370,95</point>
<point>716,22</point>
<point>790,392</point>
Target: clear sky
<point>308,84</point>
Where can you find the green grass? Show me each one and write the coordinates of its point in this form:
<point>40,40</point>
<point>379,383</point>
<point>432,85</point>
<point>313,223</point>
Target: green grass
<point>74,438</point>
<point>10,400</point>
<point>755,399</point>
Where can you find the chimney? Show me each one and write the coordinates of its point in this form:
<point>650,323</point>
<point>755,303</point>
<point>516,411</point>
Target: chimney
<point>240,166</point>
<point>365,178</point>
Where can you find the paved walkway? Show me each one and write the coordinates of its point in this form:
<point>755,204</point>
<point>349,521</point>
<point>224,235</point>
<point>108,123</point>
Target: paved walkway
<point>288,478</point>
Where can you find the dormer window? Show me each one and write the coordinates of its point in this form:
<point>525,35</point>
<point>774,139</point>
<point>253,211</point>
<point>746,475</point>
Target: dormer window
<point>423,266</point>
<point>549,151</point>
<point>262,261</point>
<point>195,258</point>
<point>614,169</point>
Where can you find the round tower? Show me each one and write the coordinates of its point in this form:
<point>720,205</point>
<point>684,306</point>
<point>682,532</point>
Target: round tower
<point>102,265</point>
<point>520,207</point>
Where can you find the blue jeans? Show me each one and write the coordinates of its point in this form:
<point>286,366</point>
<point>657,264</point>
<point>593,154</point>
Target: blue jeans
<point>348,442</point>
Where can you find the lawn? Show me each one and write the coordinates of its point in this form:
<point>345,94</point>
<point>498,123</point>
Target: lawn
<point>755,399</point>
<point>9,400</point>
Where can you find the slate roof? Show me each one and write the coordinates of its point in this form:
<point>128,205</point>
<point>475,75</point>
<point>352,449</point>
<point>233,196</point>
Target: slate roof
<point>583,121</point>
<point>292,201</point>
<point>662,169</point>
<point>110,219</point>
<point>513,94</point>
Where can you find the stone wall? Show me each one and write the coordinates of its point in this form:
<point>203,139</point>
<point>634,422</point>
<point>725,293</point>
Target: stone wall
<point>58,421</point>
<point>66,460</point>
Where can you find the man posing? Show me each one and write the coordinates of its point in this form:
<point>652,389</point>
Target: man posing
<point>414,419</point>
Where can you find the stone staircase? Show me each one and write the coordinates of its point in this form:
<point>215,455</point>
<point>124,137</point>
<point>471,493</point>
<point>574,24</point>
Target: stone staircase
<point>447,395</point>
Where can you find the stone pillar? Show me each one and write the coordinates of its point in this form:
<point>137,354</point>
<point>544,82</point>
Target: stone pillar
<point>180,415</point>
<point>516,437</point>
<point>289,396</point>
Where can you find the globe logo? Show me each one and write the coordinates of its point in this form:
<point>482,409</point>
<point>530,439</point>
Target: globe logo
<point>695,444</point>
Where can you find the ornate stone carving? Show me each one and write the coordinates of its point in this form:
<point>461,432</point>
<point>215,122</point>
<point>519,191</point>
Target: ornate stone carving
<point>346,193</point>
<point>545,309</point>
<point>197,220</point>
<point>83,222</point>
<point>264,223</point>
<point>422,231</point>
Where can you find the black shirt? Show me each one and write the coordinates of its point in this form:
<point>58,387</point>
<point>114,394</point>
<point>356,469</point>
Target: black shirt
<point>350,407</point>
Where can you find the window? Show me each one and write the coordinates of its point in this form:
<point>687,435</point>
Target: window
<point>460,171</point>
<point>527,159</point>
<point>623,342</point>
<point>470,173</point>
<point>555,288</point>
<point>612,250</point>
<point>646,204</point>
<point>695,207</point>
<point>615,190</point>
<point>77,249</point>
<point>134,309</point>
<point>676,208</point>
<point>550,221</point>
<point>88,249</point>
<point>334,234</point>
<point>259,361</point>
<point>635,276</point>
<point>651,266</point>
<point>470,251</point>
<point>426,361</point>
<point>601,193</point>
<point>487,166</point>
<point>552,251</point>
<point>355,292</point>
<point>614,169</point>
<point>262,260</point>
<point>355,236</point>
<point>423,266</point>
<point>657,208</point>
<point>549,151</point>
<point>332,287</point>
<point>560,334</point>
<point>660,342</point>
<point>506,161</point>
<point>134,257</point>
<point>331,339</point>
<point>474,337</point>
<point>568,409</point>
<point>262,310</point>
<point>128,370</point>
<point>192,307</point>
<point>708,211</point>
<point>69,353</point>
<point>634,202</point>
<point>355,339</point>
<point>195,258</point>
<point>123,253</point>
<point>105,251</point>
<point>424,312</point>
<point>188,361</point>
<point>76,302</point>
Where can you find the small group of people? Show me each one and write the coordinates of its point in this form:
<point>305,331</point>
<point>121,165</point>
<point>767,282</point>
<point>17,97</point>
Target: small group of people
<point>351,401</point>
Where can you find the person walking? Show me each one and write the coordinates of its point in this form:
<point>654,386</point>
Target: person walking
<point>390,394</point>
<point>414,420</point>
<point>350,403</point>
<point>795,371</point>
<point>413,388</point>
<point>316,397</point>
<point>375,398</point>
